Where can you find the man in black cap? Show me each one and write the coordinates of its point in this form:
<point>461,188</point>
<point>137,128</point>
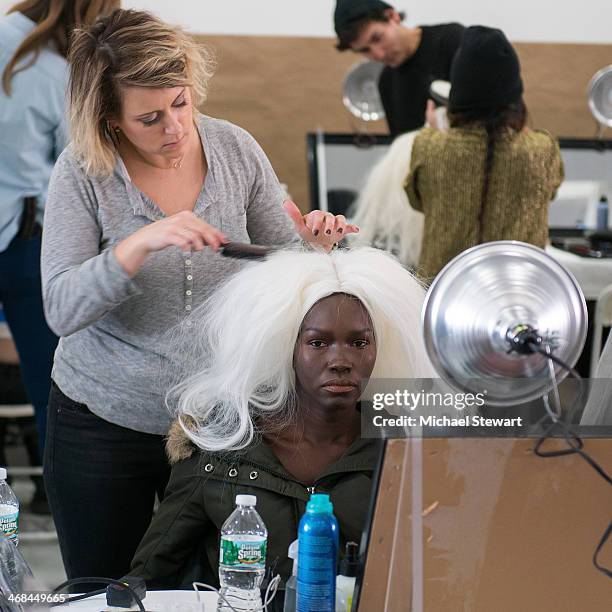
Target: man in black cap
<point>413,57</point>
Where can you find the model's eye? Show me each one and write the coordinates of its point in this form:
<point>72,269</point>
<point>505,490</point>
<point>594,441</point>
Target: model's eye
<point>317,343</point>
<point>361,343</point>
<point>180,102</point>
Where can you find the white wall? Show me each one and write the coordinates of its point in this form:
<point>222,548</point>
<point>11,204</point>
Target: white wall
<point>588,21</point>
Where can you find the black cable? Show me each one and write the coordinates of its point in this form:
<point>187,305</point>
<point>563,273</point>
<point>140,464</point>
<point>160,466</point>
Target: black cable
<point>573,440</point>
<point>84,596</point>
<point>536,348</point>
<point>100,580</point>
<point>575,444</point>
<point>603,540</point>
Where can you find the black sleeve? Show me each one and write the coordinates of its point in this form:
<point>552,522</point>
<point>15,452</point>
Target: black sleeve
<point>386,95</point>
<point>403,101</point>
<point>450,42</point>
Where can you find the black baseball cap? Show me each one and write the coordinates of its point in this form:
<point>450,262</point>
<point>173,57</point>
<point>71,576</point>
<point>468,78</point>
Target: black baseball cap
<point>352,10</point>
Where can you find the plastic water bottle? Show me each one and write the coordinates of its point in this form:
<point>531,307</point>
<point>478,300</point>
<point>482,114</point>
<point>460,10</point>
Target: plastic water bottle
<point>317,556</point>
<point>15,576</point>
<point>9,510</point>
<point>242,558</point>
<point>290,587</point>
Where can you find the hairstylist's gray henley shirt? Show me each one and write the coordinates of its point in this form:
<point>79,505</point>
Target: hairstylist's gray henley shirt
<point>114,353</point>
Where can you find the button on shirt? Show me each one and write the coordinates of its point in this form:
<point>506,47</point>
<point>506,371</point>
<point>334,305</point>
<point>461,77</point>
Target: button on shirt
<point>118,350</point>
<point>32,125</point>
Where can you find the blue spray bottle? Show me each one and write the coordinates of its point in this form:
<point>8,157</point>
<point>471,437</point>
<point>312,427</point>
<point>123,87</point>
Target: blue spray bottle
<point>317,556</point>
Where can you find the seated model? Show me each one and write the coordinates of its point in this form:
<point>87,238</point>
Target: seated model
<point>280,353</point>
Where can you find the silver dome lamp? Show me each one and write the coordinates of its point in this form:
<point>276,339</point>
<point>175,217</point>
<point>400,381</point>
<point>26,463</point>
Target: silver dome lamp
<point>360,91</point>
<point>493,314</point>
<point>599,94</point>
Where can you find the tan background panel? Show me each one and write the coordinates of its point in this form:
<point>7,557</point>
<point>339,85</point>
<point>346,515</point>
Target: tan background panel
<point>514,531</point>
<point>504,530</point>
<point>281,88</point>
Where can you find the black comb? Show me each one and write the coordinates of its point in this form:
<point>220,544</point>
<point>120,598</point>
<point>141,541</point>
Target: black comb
<point>242,250</point>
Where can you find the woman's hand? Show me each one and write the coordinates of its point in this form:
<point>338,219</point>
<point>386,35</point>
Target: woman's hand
<point>318,227</point>
<point>182,229</point>
<point>431,119</point>
<point>436,118</point>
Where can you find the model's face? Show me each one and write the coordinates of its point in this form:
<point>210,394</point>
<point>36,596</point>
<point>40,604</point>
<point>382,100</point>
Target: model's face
<point>383,41</point>
<point>335,351</point>
<point>157,121</point>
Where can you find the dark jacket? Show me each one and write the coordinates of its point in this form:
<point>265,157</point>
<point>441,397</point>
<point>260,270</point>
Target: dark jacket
<point>182,542</point>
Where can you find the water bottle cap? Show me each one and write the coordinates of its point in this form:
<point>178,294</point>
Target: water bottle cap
<point>246,500</point>
<point>320,504</point>
<point>2,473</point>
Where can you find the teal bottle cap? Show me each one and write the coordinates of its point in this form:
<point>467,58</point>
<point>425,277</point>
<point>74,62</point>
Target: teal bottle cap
<point>320,504</point>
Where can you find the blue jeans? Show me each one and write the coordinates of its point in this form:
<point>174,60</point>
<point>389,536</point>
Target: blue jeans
<point>21,298</point>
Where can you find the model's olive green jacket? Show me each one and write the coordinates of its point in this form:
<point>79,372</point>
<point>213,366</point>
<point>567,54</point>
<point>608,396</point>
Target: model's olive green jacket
<point>182,542</point>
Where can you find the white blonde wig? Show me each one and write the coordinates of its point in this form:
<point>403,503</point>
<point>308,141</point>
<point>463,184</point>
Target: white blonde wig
<point>245,334</point>
<point>382,211</point>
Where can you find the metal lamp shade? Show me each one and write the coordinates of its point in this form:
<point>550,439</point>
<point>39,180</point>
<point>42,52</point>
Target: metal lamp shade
<point>485,292</point>
<point>360,91</point>
<point>600,96</point>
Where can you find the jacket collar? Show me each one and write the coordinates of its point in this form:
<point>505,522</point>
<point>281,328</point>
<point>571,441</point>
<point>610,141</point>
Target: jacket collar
<point>360,455</point>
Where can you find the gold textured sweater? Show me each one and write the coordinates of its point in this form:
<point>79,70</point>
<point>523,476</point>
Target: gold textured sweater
<point>445,183</point>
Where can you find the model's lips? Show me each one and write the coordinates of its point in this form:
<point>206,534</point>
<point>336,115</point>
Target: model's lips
<point>340,386</point>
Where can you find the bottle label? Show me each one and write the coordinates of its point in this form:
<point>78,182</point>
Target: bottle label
<point>316,578</point>
<point>8,525</point>
<point>243,554</point>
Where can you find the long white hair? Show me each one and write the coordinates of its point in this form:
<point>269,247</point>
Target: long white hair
<point>382,211</point>
<point>243,337</point>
